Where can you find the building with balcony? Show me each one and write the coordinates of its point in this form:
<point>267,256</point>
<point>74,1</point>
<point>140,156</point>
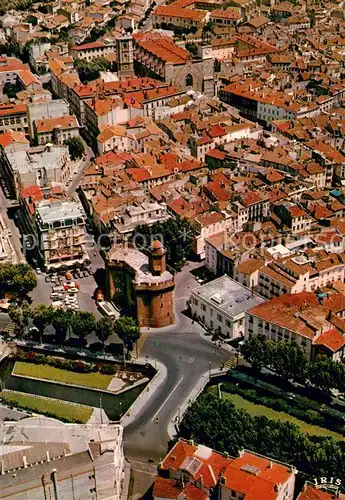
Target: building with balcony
<point>141,285</point>
<point>135,215</point>
<point>61,233</point>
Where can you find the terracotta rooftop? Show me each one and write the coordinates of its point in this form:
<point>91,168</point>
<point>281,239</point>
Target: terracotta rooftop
<point>162,47</point>
<point>49,124</point>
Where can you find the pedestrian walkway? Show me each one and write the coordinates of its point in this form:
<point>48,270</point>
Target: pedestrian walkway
<point>139,345</point>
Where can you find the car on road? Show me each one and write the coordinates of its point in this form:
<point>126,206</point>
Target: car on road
<point>47,279</point>
<point>85,274</point>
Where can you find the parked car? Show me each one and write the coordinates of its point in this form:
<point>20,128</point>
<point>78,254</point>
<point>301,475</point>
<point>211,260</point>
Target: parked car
<point>47,279</point>
<point>85,274</point>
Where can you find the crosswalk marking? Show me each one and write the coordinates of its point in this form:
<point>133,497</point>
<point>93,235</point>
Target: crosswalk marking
<point>230,363</point>
<point>10,327</point>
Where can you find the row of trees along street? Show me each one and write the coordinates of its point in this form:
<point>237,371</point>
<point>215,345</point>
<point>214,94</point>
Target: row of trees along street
<point>290,361</point>
<point>65,322</point>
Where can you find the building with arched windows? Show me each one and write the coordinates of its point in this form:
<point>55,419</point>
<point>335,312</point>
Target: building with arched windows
<point>157,56</point>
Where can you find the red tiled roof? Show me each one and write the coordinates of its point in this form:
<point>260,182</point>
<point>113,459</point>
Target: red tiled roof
<point>172,489</point>
<point>86,46</point>
<point>33,191</point>
<point>210,468</point>
<point>332,339</point>
<point>216,153</point>
<point>48,125</point>
<point>296,211</point>
<point>311,493</point>
<point>10,136</point>
<point>216,190</point>
<point>263,484</point>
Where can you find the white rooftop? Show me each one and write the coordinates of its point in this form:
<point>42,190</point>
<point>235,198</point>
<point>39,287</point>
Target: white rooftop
<point>228,295</point>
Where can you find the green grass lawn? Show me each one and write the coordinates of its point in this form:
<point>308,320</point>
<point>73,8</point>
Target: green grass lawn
<point>48,406</point>
<point>95,380</point>
<point>258,410</point>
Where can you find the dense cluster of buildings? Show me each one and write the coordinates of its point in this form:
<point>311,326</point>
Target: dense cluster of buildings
<point>194,471</point>
<point>44,458</point>
<point>228,114</point>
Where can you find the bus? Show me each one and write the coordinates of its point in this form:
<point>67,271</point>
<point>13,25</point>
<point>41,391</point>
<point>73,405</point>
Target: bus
<point>108,309</point>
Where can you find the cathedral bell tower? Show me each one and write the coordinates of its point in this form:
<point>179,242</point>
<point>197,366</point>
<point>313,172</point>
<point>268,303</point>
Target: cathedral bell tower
<point>125,57</point>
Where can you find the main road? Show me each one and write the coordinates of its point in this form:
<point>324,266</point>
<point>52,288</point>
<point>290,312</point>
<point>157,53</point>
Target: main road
<point>187,358</point>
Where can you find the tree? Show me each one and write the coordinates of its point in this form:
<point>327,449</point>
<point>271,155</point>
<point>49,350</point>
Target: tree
<point>42,316</point>
<point>20,317</point>
<point>257,350</point>
<point>327,374</point>
<point>10,89</point>
<point>289,360</point>
<point>61,321</point>
<point>90,70</point>
<point>217,66</point>
<point>83,323</point>
<point>128,330</point>
<point>17,277</point>
<point>218,424</point>
<point>176,234</point>
<point>76,147</point>
<point>208,30</point>
<point>104,329</point>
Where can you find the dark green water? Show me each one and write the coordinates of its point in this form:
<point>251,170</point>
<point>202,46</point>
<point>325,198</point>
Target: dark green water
<point>114,406</point>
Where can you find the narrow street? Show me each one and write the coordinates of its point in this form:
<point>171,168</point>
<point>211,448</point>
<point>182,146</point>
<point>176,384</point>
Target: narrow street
<point>16,237</point>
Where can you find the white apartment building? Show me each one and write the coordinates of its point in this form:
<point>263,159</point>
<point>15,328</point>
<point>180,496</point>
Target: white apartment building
<point>221,305</point>
<point>209,224</point>
<point>89,51</point>
<point>61,233</point>
<point>299,274</point>
<point>135,215</point>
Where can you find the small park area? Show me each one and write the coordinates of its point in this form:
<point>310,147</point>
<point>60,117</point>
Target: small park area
<point>68,412</point>
<point>257,410</point>
<point>93,380</point>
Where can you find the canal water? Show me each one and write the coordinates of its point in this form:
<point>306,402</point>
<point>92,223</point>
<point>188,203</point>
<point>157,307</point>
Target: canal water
<point>114,405</point>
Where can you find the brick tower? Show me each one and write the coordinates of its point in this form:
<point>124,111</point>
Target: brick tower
<point>157,262</point>
<point>141,284</point>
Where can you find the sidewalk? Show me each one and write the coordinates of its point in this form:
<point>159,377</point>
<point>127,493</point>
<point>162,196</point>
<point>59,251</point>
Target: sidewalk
<point>144,397</point>
<point>127,480</point>
<point>223,345</point>
<point>193,395</point>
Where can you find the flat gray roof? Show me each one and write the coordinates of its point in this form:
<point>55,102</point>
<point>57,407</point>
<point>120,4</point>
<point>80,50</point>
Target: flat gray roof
<point>51,211</point>
<point>229,295</point>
